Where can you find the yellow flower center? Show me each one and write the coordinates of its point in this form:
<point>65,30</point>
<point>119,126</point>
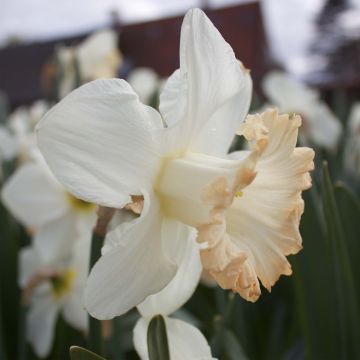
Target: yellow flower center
<point>80,205</point>
<point>62,284</point>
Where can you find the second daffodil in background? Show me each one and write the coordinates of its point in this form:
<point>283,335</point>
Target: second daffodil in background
<point>320,126</point>
<point>106,147</point>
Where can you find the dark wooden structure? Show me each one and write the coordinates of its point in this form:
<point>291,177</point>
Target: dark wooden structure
<point>153,44</point>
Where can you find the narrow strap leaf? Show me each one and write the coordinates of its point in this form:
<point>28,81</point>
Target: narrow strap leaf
<point>79,353</point>
<point>157,340</point>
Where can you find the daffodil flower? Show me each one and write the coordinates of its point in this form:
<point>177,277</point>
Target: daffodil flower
<point>50,289</point>
<point>106,147</point>
<point>320,125</point>
<point>39,202</point>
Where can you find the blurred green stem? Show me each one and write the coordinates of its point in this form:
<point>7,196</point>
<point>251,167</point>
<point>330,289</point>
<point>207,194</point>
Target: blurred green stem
<point>22,353</point>
<point>104,217</point>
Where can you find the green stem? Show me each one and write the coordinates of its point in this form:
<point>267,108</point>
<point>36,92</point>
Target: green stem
<point>95,337</point>
<point>104,216</point>
<point>22,351</point>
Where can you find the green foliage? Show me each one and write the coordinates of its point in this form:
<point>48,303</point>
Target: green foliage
<point>78,353</point>
<point>157,340</point>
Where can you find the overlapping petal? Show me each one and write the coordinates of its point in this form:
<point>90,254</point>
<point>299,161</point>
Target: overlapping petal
<point>133,269</point>
<point>41,324</point>
<point>99,142</point>
<point>181,247</point>
<point>209,96</point>
<point>185,340</point>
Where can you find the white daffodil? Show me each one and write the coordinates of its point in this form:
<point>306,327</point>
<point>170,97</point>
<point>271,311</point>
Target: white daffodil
<point>106,147</point>
<point>185,340</point>
<point>145,83</point>
<point>57,218</point>
<point>97,57</point>
<point>320,125</point>
<point>50,289</point>
<point>352,145</point>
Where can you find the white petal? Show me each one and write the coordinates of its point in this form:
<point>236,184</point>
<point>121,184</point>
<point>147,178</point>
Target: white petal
<point>135,268</point>
<point>54,239</point>
<point>287,93</point>
<point>99,142</point>
<point>320,124</point>
<point>99,56</point>
<point>121,216</point>
<point>210,94</point>
<point>185,341</point>
<point>41,324</point>
<point>184,252</point>
<point>29,262</point>
<point>32,196</point>
<point>74,311</point>
<point>324,128</point>
<point>8,144</point>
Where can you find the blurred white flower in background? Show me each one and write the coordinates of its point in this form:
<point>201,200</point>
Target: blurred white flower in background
<point>117,152</point>
<point>97,57</point>
<point>320,126</point>
<point>21,124</point>
<point>50,289</point>
<point>352,144</point>
<point>56,218</point>
<point>145,83</point>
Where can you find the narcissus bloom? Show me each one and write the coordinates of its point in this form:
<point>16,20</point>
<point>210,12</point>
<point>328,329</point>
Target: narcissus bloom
<point>320,126</point>
<point>106,147</point>
<point>50,289</point>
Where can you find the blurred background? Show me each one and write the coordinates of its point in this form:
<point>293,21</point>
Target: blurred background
<point>304,57</point>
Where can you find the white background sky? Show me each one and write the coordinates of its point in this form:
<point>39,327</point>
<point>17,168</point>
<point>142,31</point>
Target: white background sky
<point>288,22</point>
<point>47,19</point>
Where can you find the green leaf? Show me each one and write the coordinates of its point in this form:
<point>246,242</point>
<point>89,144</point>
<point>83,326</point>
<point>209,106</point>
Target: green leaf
<point>95,335</point>
<point>157,341</point>
<point>79,353</point>
<point>233,348</point>
<point>349,209</point>
<point>344,289</point>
